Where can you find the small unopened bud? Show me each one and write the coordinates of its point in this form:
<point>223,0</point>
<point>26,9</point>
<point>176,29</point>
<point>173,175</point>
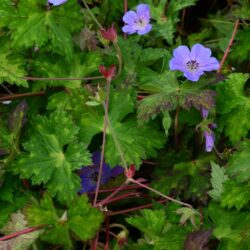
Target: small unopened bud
<point>122,238</point>
<point>131,171</point>
<point>110,33</point>
<point>108,73</point>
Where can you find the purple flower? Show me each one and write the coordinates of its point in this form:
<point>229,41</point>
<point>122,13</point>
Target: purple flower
<point>204,113</point>
<point>137,22</point>
<point>89,174</point>
<point>193,63</point>
<point>209,137</point>
<point>56,2</point>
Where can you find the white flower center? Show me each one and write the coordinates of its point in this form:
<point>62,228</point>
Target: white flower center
<point>141,23</point>
<point>192,65</point>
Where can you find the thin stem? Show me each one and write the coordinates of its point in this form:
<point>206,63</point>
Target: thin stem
<point>16,96</point>
<point>8,91</point>
<point>123,196</point>
<point>91,14</point>
<point>229,46</point>
<point>103,141</point>
<point>107,199</point>
<point>113,189</point>
<point>135,208</point>
<point>106,247</point>
<point>119,57</point>
<point>62,78</point>
<point>117,144</point>
<point>24,231</point>
<point>161,194</point>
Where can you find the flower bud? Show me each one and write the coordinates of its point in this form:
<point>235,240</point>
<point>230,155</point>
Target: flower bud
<point>131,171</point>
<point>110,33</point>
<point>108,73</point>
<point>122,238</point>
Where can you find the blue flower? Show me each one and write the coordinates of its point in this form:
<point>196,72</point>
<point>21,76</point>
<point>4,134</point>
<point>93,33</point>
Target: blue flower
<point>56,2</point>
<point>137,22</point>
<point>89,174</point>
<point>193,63</point>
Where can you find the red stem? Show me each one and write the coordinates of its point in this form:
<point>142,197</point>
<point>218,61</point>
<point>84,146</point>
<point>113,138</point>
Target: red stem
<point>123,196</point>
<point>24,231</point>
<point>61,78</point>
<point>115,188</point>
<point>106,200</point>
<point>107,233</point>
<point>15,96</point>
<point>135,208</point>
<point>229,46</point>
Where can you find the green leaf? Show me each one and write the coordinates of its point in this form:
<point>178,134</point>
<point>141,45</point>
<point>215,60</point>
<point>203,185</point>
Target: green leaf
<point>7,208</point>
<point>234,106</point>
<point>238,165</point>
<point>218,178</point>
<point>72,102</point>
<point>235,194</point>
<point>12,67</point>
<point>80,65</point>
<point>230,227</point>
<point>37,26</point>
<point>78,219</point>
<point>151,222</point>
<point>17,223</point>
<point>54,154</point>
<point>135,142</point>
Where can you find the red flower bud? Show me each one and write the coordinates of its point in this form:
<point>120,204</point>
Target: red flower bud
<point>110,33</point>
<point>131,171</point>
<point>108,73</point>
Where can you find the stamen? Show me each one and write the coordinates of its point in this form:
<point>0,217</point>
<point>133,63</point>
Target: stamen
<point>192,65</point>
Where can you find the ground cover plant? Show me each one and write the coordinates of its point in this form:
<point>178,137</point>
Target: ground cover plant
<point>124,124</point>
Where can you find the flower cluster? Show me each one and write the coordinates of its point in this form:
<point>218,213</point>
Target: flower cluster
<point>193,63</point>
<point>89,174</point>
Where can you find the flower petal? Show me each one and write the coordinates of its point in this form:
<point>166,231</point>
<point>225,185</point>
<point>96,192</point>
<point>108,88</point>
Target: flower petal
<point>182,53</point>
<point>130,17</point>
<point>193,76</point>
<point>128,29</point>
<point>209,140</point>
<point>200,53</point>
<point>143,11</point>
<point>177,64</point>
<point>210,64</point>
<point>145,30</point>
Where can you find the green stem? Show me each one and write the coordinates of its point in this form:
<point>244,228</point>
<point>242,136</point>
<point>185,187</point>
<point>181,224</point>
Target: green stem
<point>106,106</point>
<point>119,57</point>
<point>91,14</point>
